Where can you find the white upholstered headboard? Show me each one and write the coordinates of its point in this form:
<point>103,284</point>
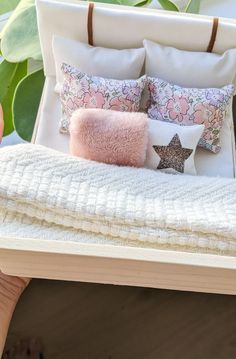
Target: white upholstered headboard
<point>126,27</point>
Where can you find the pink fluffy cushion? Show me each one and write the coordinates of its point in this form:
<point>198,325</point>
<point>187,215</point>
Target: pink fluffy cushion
<point>109,136</point>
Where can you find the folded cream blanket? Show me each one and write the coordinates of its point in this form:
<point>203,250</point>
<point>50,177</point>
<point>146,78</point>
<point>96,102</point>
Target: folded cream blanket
<point>49,195</point>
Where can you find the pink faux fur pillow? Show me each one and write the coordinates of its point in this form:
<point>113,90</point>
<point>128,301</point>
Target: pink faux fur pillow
<point>109,136</point>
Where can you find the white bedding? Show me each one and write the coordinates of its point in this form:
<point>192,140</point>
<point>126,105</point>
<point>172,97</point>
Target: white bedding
<point>46,194</point>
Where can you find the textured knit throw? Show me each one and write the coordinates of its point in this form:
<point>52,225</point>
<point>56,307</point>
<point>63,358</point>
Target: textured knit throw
<point>49,195</point>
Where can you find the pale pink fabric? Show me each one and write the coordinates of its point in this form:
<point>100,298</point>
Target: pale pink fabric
<point>80,90</point>
<point>109,136</point>
<point>191,106</point>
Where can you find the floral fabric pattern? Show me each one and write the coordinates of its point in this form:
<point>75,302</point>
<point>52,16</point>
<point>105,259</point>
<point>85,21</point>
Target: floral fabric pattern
<point>80,90</point>
<point>191,106</point>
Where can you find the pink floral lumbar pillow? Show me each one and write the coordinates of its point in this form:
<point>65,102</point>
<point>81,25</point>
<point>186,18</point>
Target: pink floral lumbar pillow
<point>80,90</point>
<point>107,136</point>
<point>191,106</point>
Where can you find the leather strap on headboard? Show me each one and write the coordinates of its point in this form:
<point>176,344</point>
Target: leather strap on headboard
<point>213,34</point>
<point>210,47</point>
<point>90,23</point>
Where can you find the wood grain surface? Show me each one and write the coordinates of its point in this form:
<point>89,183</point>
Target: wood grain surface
<point>92,321</point>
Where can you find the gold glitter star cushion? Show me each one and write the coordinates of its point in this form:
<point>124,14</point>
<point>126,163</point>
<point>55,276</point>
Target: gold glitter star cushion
<point>172,147</point>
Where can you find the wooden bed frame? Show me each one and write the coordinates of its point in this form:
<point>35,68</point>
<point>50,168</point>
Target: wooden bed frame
<point>118,265</point>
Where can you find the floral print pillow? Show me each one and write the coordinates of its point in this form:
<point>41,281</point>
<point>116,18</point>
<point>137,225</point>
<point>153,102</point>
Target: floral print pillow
<point>80,90</point>
<point>191,106</point>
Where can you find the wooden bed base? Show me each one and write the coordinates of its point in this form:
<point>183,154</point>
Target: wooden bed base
<point>118,265</point>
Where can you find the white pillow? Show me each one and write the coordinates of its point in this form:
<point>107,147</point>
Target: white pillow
<point>199,69</point>
<point>189,68</point>
<point>171,147</point>
<point>97,61</point>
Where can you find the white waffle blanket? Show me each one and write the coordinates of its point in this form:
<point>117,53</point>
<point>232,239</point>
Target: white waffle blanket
<point>49,195</point>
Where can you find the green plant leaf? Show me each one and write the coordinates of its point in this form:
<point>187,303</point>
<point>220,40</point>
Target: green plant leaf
<point>8,5</point>
<point>20,40</point>
<point>26,103</point>
<point>136,3</point>
<point>10,75</point>
<point>143,3</point>
<point>124,2</point>
<point>193,6</point>
<point>168,5</point>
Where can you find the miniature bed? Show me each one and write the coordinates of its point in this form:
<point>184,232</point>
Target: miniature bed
<point>117,263</point>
